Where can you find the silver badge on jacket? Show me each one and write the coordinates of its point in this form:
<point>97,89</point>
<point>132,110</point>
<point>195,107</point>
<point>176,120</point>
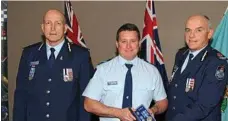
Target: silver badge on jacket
<point>33,69</point>
<point>220,72</point>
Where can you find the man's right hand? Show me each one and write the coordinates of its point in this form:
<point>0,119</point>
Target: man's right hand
<point>126,115</point>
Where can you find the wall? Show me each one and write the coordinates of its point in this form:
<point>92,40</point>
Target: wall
<point>99,22</point>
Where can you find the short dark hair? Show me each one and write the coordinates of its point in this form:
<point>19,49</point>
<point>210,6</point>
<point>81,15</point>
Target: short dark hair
<point>127,27</point>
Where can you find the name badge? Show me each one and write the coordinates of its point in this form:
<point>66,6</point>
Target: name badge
<point>34,63</point>
<point>112,83</point>
<point>67,74</point>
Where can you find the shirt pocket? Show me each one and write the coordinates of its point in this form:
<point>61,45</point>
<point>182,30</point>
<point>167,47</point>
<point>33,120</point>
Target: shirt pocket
<point>143,93</point>
<point>112,95</point>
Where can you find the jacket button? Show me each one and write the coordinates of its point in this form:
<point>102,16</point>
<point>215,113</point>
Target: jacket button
<point>49,80</point>
<point>174,108</point>
<point>47,115</point>
<point>47,103</point>
<point>48,91</point>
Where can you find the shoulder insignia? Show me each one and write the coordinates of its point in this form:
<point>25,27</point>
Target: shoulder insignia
<point>101,62</point>
<point>220,72</point>
<point>221,56</point>
<point>105,61</point>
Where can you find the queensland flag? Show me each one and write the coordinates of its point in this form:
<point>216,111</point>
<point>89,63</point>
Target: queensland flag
<point>74,33</point>
<point>220,42</point>
<point>150,45</point>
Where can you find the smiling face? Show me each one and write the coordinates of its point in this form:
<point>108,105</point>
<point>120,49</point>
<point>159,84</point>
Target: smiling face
<point>128,44</point>
<point>54,27</point>
<point>197,32</point>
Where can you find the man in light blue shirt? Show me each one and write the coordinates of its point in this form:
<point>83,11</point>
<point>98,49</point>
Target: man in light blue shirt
<point>105,93</point>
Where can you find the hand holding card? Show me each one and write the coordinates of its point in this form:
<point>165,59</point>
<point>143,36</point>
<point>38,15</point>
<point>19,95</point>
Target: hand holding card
<point>142,114</point>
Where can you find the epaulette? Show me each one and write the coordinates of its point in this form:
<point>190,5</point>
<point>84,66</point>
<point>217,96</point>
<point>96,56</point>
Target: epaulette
<point>39,45</point>
<point>105,61</point>
<point>69,42</point>
<point>183,50</point>
<point>221,56</point>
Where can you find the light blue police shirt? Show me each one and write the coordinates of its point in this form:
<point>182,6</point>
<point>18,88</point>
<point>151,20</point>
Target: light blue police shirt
<point>57,49</point>
<point>195,53</point>
<point>107,84</point>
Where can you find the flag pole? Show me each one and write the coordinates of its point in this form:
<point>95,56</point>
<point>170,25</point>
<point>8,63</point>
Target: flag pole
<point>226,10</point>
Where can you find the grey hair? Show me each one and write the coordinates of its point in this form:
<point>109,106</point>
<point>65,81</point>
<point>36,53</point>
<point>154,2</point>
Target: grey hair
<point>208,20</point>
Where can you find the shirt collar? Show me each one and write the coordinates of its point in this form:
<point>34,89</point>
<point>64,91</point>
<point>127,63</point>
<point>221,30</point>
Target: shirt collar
<point>123,61</point>
<point>57,47</point>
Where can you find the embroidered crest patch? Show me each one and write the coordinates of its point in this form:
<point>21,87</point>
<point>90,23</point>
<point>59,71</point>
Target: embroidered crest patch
<point>219,74</point>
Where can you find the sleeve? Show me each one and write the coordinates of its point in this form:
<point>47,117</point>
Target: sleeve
<point>95,87</point>
<point>209,95</point>
<point>20,95</point>
<point>85,73</point>
<point>159,92</point>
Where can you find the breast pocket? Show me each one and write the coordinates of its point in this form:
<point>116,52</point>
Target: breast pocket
<point>143,93</point>
<point>112,95</point>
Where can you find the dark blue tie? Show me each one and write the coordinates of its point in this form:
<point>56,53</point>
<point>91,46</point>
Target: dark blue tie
<point>127,97</point>
<point>51,59</point>
<point>190,58</point>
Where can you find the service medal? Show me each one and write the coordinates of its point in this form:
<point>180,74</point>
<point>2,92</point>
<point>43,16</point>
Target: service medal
<point>191,83</point>
<point>68,74</point>
<point>187,88</point>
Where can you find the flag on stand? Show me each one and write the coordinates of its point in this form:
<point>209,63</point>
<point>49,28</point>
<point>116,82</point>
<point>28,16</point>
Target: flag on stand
<point>74,33</point>
<point>220,42</point>
<point>150,45</point>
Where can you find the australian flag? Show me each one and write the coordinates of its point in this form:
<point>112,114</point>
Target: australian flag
<point>150,45</point>
<point>74,33</point>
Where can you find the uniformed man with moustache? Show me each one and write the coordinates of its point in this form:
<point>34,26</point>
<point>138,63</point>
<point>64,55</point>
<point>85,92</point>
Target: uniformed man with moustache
<point>52,76</point>
<point>199,76</point>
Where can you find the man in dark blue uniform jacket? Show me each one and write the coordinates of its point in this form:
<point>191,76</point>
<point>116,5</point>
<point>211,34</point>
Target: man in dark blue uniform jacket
<point>199,76</point>
<point>52,76</point>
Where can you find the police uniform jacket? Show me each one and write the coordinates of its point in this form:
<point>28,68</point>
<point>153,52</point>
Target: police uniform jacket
<point>52,94</point>
<point>195,94</point>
